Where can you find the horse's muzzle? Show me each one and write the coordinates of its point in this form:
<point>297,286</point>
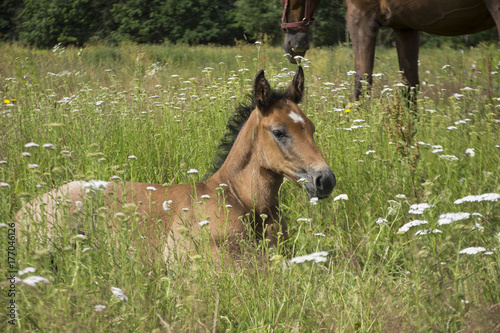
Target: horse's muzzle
<point>320,183</point>
<point>324,183</point>
<point>296,44</point>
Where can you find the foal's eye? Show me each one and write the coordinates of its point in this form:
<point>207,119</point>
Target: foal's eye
<point>278,134</point>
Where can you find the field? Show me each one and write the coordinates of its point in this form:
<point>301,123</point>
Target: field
<point>151,113</point>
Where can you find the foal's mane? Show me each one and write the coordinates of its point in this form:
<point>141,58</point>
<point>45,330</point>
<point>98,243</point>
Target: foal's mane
<point>234,125</point>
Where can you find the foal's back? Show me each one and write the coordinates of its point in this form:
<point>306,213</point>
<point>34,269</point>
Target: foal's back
<point>161,212</point>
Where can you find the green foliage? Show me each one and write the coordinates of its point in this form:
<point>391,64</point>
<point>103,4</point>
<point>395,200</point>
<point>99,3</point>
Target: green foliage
<point>258,18</point>
<point>9,11</point>
<point>169,107</point>
<point>330,26</point>
<point>195,21</point>
<point>46,23</point>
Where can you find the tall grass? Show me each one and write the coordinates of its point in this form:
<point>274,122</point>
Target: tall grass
<point>151,113</point>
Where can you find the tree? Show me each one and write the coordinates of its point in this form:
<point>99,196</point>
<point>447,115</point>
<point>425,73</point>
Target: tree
<point>198,21</point>
<point>9,11</point>
<point>49,22</point>
<point>330,25</point>
<point>258,17</point>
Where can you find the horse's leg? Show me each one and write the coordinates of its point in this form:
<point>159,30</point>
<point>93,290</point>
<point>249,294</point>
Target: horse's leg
<point>494,8</point>
<point>363,30</point>
<point>407,44</point>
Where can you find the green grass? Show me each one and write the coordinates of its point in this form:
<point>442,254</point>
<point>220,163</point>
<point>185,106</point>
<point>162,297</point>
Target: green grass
<point>168,106</point>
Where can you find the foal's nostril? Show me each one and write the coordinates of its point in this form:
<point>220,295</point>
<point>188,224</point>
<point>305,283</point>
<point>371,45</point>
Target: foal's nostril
<point>318,182</point>
<point>325,182</point>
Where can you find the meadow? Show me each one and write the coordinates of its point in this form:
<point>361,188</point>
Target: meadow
<point>409,241</point>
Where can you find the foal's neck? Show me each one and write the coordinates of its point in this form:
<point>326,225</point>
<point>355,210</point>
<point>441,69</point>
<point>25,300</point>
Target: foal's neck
<point>254,186</point>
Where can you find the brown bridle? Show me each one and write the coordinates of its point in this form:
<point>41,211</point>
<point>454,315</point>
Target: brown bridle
<point>306,21</point>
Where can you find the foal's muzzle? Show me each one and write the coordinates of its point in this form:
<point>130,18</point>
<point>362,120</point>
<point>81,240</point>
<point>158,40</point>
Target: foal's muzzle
<point>320,183</point>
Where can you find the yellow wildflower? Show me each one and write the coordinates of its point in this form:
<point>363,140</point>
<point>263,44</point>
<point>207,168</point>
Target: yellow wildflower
<point>6,101</point>
<point>347,110</point>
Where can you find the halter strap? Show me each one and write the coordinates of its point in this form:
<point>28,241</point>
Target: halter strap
<point>306,21</point>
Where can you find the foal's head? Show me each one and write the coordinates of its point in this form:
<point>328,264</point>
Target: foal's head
<point>285,137</point>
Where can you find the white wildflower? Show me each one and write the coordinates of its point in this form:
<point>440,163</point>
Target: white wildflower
<point>151,188</point>
<point>31,145</point>
<point>27,270</point>
<point>25,154</point>
<point>477,226</point>
<point>313,201</point>
<point>316,257</point>
<point>428,231</point>
<point>449,218</point>
<point>166,205</point>
<point>449,157</point>
<point>205,196</point>
<point>413,223</point>
<point>304,219</point>
<point>400,196</point>
<point>94,185</point>
<point>419,209</point>
<point>118,293</point>
<point>204,222</point>
<point>2,184</point>
<point>302,181</point>
<point>341,197</point>
<point>370,152</point>
<point>99,308</point>
<point>49,145</point>
<point>470,152</point>
<point>191,171</point>
<point>472,250</point>
<point>478,198</point>
<point>132,157</point>
<point>320,234</point>
<point>381,220</point>
<point>33,166</point>
<point>34,280</point>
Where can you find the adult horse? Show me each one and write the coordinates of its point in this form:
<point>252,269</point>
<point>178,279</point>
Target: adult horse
<point>266,142</point>
<point>405,17</point>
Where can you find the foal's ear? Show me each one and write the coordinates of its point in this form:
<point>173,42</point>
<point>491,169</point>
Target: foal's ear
<point>261,92</point>
<point>295,89</point>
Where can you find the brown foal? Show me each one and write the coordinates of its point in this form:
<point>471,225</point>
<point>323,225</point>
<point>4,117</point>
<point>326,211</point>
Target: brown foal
<point>272,139</point>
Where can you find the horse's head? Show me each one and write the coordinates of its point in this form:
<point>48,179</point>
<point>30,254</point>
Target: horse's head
<point>298,15</point>
<point>285,134</point>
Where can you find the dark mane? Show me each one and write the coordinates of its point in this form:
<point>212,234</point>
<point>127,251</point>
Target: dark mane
<point>234,125</point>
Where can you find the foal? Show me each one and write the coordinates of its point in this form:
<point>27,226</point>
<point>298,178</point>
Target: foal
<point>272,139</point>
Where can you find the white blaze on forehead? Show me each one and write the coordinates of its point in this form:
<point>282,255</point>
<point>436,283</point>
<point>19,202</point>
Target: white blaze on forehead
<point>295,117</point>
